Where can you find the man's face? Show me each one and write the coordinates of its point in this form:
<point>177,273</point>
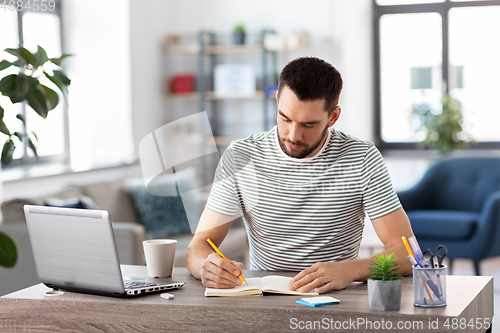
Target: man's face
<point>302,126</point>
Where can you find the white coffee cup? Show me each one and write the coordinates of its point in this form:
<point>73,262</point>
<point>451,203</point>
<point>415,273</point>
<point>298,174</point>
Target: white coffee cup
<point>160,254</point>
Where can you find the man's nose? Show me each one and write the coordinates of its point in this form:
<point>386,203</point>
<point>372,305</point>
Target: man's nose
<point>295,134</point>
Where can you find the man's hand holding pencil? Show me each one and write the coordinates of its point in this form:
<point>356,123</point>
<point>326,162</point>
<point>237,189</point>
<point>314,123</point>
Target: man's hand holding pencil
<point>219,272</point>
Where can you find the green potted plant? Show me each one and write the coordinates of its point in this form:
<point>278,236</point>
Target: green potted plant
<point>239,34</point>
<point>384,285</point>
<point>443,130</point>
<point>24,85</point>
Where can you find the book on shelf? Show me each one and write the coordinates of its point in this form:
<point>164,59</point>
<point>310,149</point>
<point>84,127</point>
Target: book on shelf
<point>257,286</point>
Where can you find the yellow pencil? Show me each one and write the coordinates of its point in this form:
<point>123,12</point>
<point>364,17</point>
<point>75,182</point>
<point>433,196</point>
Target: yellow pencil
<point>410,252</point>
<point>223,257</point>
<point>408,248</point>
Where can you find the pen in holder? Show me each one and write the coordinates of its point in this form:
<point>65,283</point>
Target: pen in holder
<point>429,286</point>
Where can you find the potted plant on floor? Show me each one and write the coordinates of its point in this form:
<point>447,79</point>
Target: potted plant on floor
<point>8,251</point>
<point>26,83</point>
<point>442,128</point>
<point>384,285</point>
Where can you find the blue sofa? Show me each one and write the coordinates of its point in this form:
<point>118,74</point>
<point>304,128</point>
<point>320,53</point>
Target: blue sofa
<point>457,204</point>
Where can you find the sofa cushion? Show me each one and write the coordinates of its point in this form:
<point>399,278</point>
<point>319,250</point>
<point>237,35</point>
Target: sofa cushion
<point>113,197</point>
<point>442,224</point>
<point>163,216</point>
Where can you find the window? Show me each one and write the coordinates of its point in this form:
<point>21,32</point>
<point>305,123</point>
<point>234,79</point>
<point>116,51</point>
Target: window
<point>424,49</point>
<point>30,28</point>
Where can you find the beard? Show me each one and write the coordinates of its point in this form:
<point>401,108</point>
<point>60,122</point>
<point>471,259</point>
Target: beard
<point>305,150</point>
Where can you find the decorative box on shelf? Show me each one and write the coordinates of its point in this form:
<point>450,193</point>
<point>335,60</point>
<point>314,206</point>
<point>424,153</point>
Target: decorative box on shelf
<point>182,83</point>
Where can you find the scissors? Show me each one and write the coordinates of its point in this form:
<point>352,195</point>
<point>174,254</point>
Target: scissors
<point>437,259</point>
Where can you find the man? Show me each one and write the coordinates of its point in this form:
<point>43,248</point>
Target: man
<point>303,189</point>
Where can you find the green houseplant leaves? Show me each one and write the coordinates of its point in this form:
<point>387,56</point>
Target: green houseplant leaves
<point>384,267</point>
<point>443,130</point>
<point>8,252</point>
<point>26,86</point>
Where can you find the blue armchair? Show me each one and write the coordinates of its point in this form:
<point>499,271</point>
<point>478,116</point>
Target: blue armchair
<point>457,204</point>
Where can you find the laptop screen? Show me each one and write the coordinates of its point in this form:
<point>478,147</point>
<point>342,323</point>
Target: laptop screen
<point>74,248</point>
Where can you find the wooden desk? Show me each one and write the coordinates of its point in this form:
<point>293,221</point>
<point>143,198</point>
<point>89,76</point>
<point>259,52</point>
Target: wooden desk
<point>469,297</point>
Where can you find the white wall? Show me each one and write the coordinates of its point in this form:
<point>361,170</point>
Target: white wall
<point>148,28</point>
<point>353,33</point>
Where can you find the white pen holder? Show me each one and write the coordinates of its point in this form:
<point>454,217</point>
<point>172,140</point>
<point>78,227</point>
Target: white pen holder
<point>429,286</point>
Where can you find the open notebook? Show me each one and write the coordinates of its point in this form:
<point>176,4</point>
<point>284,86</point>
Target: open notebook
<point>256,286</point>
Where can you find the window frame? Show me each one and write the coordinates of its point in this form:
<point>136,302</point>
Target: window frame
<point>442,8</point>
<point>63,157</point>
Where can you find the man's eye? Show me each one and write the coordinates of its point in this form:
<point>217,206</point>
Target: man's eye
<point>286,120</point>
<point>309,126</point>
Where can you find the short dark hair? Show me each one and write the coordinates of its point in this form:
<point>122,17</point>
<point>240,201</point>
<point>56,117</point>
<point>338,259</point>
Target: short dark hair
<point>311,79</point>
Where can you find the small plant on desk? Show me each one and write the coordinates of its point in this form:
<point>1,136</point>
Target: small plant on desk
<point>384,285</point>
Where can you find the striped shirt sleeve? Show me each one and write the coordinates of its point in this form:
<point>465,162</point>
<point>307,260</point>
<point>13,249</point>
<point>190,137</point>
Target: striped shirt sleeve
<point>379,197</point>
<point>223,198</point>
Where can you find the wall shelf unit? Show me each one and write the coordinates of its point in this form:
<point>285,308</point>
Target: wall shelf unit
<point>206,47</point>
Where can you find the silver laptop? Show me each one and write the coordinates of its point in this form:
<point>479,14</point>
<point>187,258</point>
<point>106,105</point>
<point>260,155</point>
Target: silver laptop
<point>75,250</point>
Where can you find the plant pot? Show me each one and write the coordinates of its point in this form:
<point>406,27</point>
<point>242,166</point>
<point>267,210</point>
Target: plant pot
<point>384,295</point>
<point>238,38</point>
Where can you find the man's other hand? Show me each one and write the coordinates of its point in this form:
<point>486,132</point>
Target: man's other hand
<point>218,273</point>
<point>322,277</point>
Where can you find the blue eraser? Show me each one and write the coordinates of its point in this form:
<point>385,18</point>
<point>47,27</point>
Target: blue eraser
<point>313,303</point>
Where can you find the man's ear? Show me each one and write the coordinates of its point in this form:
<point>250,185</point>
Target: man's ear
<point>335,116</point>
<point>277,99</point>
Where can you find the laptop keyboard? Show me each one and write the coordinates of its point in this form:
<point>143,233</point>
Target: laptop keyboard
<point>137,284</point>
